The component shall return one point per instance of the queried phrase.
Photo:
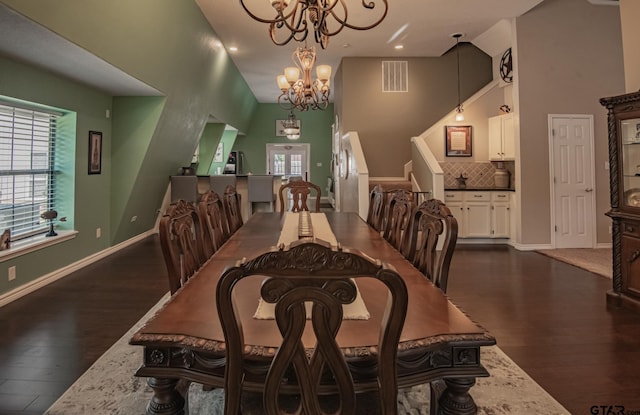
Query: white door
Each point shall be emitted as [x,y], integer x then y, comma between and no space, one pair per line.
[288,160]
[572,181]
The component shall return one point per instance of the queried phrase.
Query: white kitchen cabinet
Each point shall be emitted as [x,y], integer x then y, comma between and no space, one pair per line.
[502,141]
[500,215]
[480,214]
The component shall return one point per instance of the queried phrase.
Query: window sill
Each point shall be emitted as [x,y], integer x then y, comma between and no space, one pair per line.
[34,244]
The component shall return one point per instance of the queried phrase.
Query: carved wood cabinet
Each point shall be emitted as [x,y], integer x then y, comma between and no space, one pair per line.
[623,121]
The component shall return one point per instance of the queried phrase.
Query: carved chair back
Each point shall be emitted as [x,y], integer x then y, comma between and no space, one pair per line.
[398,212]
[181,241]
[232,212]
[431,222]
[300,191]
[311,271]
[375,214]
[213,222]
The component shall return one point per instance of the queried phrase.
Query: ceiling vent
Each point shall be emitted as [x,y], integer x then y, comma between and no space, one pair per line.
[395,76]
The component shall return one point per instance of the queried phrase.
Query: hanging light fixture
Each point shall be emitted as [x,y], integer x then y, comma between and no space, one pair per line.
[459,109]
[325,17]
[291,127]
[303,93]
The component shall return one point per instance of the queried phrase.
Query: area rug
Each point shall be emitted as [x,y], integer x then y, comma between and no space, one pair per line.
[108,387]
[599,260]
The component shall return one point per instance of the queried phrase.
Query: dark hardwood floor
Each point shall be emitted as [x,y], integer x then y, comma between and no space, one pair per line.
[548,316]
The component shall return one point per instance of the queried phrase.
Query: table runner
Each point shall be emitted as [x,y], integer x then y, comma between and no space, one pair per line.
[321,230]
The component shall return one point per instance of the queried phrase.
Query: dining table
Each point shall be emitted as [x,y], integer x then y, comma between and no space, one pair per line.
[184,342]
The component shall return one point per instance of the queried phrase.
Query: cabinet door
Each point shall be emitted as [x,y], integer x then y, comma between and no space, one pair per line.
[495,138]
[631,265]
[458,213]
[502,144]
[478,219]
[500,219]
[508,137]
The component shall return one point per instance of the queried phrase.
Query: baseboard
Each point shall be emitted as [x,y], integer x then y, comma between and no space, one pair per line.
[531,247]
[47,279]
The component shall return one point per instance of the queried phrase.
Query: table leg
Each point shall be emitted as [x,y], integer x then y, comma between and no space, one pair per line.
[166,399]
[455,400]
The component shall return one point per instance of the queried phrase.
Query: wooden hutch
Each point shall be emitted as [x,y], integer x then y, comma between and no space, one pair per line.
[624,161]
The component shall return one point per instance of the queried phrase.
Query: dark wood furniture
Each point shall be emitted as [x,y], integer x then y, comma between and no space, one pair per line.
[310,272]
[624,168]
[213,222]
[232,210]
[431,222]
[300,191]
[377,202]
[182,243]
[185,339]
[400,205]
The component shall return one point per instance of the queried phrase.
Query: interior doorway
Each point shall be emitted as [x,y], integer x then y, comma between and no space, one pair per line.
[288,160]
[572,164]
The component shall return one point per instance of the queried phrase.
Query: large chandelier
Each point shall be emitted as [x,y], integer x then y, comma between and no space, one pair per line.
[325,17]
[303,93]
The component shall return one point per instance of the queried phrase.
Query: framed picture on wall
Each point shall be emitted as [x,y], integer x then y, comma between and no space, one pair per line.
[457,140]
[95,152]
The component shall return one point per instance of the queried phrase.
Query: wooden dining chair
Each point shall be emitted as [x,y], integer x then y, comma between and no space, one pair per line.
[398,210]
[375,214]
[300,191]
[232,210]
[213,222]
[310,271]
[181,242]
[430,223]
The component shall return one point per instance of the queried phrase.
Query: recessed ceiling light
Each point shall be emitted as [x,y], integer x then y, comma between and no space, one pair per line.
[398,47]
[233,49]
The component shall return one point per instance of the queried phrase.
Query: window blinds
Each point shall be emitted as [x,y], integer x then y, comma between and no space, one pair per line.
[27,169]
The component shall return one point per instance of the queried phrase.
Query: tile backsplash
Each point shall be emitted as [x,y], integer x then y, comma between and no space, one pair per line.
[479,174]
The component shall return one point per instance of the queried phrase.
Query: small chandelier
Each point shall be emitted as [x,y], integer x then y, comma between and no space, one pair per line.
[304,93]
[291,128]
[459,109]
[324,17]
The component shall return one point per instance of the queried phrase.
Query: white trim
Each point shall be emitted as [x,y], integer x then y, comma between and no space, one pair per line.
[35,243]
[47,279]
[531,247]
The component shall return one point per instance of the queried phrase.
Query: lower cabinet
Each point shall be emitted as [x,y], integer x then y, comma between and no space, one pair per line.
[630,263]
[480,214]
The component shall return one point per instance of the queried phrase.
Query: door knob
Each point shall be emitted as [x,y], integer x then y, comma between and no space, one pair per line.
[588,189]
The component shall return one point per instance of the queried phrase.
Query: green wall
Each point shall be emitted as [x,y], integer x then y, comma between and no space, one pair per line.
[146,139]
[315,128]
[86,196]
[208,145]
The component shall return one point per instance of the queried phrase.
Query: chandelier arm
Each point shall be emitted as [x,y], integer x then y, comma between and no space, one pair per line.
[280,16]
[367,5]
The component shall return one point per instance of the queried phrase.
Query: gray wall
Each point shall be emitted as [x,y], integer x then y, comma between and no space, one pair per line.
[569,54]
[386,122]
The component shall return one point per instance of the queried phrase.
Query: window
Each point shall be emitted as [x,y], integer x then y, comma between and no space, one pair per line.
[27,169]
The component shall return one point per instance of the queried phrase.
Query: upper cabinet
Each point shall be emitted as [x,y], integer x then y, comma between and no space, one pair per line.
[502,144]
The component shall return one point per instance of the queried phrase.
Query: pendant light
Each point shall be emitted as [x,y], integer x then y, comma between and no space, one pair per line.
[459,110]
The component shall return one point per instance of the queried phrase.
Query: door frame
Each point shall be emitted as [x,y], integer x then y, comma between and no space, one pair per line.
[592,223]
[307,150]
